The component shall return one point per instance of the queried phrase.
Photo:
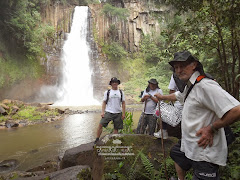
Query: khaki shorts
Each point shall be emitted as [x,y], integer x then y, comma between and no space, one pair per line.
[115,117]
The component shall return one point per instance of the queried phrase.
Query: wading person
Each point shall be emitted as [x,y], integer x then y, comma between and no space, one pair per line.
[207,109]
[113,108]
[147,117]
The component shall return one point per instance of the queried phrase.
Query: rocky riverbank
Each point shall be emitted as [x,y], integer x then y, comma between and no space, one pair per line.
[14,113]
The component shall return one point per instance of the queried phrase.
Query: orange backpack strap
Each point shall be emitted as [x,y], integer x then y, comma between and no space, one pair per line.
[199,78]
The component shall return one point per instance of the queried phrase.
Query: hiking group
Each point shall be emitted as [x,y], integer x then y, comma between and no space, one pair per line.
[205,109]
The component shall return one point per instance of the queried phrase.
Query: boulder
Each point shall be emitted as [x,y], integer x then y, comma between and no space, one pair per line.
[6,101]
[73,173]
[11,123]
[15,109]
[3,111]
[5,106]
[80,155]
[8,165]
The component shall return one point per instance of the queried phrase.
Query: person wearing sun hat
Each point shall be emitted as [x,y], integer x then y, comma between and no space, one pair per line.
[148,117]
[113,108]
[207,109]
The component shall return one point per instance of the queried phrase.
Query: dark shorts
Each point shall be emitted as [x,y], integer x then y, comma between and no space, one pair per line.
[202,170]
[115,117]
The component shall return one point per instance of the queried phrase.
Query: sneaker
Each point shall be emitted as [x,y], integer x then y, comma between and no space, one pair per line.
[159,134]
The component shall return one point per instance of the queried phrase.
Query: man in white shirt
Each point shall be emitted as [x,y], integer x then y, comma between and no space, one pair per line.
[113,108]
[148,117]
[207,109]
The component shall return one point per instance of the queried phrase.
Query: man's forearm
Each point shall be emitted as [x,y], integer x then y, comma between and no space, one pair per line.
[230,117]
[170,97]
[123,107]
[103,106]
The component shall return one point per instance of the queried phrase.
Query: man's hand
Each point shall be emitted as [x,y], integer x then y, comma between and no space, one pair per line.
[206,139]
[146,97]
[159,96]
[102,115]
[123,116]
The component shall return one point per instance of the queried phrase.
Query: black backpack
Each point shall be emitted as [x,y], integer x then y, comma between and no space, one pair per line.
[108,92]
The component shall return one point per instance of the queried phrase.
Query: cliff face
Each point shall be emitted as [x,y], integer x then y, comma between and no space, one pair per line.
[60,17]
[141,21]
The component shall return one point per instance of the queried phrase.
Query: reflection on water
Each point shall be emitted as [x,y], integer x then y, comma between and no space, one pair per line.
[34,145]
[81,130]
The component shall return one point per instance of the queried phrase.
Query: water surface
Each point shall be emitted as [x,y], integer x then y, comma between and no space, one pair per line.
[34,145]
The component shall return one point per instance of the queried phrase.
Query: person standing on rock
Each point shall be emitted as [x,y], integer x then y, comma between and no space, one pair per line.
[207,109]
[148,117]
[113,108]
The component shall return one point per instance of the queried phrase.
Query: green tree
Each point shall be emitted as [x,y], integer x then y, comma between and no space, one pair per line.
[211,32]
[111,11]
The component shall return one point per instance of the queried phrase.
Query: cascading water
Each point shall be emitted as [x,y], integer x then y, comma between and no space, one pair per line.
[77,87]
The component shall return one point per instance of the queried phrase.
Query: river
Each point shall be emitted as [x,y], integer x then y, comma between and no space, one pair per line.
[34,145]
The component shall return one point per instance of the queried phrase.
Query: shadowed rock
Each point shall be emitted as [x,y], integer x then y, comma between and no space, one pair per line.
[8,165]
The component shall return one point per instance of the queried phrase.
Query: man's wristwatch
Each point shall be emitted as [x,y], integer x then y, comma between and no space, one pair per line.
[213,128]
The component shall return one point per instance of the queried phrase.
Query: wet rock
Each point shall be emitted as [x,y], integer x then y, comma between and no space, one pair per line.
[47,167]
[8,165]
[57,126]
[23,123]
[43,108]
[67,111]
[3,111]
[6,101]
[73,173]
[35,104]
[11,124]
[14,110]
[60,111]
[5,106]
[80,155]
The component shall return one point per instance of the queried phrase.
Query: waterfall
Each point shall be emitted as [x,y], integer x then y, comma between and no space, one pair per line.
[76,88]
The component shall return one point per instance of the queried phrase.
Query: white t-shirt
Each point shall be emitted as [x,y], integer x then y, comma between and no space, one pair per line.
[114,102]
[206,103]
[172,86]
[150,104]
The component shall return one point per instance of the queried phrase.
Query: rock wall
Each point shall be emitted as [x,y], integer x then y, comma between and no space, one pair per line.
[141,21]
[60,17]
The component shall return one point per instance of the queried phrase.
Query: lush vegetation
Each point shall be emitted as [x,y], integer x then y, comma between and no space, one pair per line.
[111,11]
[208,29]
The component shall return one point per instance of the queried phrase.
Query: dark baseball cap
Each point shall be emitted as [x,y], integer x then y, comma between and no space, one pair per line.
[153,81]
[114,79]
